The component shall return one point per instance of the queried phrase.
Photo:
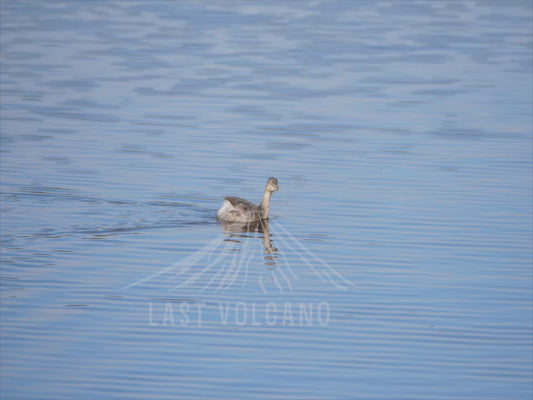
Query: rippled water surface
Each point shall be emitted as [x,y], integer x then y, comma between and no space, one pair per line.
[396,264]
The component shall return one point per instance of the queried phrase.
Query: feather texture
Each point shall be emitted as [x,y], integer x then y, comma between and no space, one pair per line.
[236,209]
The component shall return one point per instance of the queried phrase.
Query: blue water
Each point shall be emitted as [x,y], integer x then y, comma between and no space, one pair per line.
[398,259]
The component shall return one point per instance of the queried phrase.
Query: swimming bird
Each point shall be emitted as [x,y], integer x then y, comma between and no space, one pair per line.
[235,209]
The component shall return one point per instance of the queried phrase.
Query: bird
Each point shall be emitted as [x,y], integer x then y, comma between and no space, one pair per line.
[235,209]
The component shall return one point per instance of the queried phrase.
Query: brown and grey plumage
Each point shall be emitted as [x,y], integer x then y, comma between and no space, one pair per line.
[235,209]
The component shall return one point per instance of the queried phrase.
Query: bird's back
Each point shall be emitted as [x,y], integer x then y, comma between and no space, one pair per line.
[238,210]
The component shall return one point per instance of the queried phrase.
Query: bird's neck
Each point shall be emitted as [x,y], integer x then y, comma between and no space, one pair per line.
[265,204]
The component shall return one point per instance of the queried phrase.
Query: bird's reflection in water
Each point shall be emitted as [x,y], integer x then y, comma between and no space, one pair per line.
[230,261]
[241,232]
[261,226]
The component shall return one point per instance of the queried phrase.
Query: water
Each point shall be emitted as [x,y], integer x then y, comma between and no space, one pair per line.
[400,133]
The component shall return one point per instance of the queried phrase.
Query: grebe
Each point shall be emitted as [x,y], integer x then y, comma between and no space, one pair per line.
[236,209]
